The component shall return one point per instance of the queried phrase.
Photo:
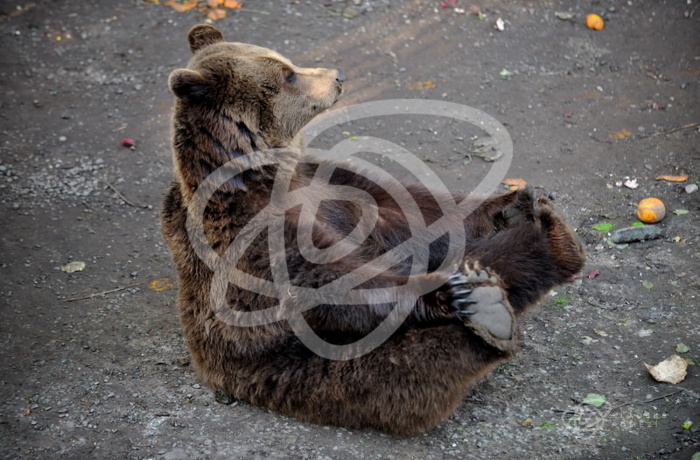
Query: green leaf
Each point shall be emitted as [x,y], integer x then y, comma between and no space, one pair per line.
[682,348]
[505,73]
[547,425]
[696,456]
[687,424]
[647,284]
[680,212]
[603,227]
[594,399]
[638,224]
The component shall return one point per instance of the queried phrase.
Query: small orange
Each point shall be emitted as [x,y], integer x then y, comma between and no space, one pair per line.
[651,210]
[595,22]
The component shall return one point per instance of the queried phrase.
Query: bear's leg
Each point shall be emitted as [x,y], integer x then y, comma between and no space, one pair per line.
[408,384]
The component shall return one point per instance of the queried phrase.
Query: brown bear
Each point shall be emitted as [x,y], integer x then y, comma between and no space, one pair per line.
[233,102]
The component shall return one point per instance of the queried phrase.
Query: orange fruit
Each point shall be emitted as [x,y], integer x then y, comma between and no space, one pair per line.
[595,22]
[651,210]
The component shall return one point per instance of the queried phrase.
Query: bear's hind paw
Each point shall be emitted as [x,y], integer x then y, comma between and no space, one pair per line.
[488,304]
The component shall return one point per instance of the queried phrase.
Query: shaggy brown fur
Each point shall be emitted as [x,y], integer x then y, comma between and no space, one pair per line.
[236,99]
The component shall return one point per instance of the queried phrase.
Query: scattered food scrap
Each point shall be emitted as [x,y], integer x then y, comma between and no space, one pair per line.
[668,178]
[500,24]
[631,183]
[595,22]
[651,210]
[128,143]
[671,370]
[75,266]
[564,15]
[514,183]
[634,234]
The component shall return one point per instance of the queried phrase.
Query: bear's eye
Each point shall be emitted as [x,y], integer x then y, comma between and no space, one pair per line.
[290,77]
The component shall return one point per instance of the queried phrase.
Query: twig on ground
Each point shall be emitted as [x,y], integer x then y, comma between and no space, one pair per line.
[124,199]
[689,125]
[97,294]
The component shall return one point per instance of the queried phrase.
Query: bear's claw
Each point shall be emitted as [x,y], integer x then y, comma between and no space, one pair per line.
[481,291]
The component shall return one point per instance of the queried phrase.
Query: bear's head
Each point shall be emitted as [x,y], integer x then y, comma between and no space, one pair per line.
[256,90]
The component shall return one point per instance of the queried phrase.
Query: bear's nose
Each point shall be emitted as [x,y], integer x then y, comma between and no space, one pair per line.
[339,76]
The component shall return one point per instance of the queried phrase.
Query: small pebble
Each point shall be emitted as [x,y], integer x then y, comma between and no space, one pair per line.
[690,188]
[63,138]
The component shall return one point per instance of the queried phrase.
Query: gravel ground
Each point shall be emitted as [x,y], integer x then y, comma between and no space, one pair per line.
[93,363]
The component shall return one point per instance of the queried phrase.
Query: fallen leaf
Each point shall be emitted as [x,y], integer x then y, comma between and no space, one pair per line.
[527,422]
[181,7]
[214,3]
[75,266]
[593,274]
[216,14]
[232,4]
[593,399]
[601,333]
[682,178]
[677,239]
[159,285]
[422,85]
[586,340]
[27,412]
[505,73]
[682,348]
[515,183]
[618,135]
[671,370]
[603,227]
[485,148]
[681,212]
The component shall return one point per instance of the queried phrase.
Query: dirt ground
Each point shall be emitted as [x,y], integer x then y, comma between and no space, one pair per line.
[93,364]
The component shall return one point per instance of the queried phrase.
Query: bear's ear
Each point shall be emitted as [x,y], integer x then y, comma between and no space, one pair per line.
[188,84]
[203,35]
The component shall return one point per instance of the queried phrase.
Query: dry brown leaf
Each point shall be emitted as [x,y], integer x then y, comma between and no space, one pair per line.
[515,183]
[233,4]
[618,135]
[668,178]
[422,85]
[216,14]
[670,370]
[181,7]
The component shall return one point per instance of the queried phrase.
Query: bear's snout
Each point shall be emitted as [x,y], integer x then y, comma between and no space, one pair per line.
[339,76]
